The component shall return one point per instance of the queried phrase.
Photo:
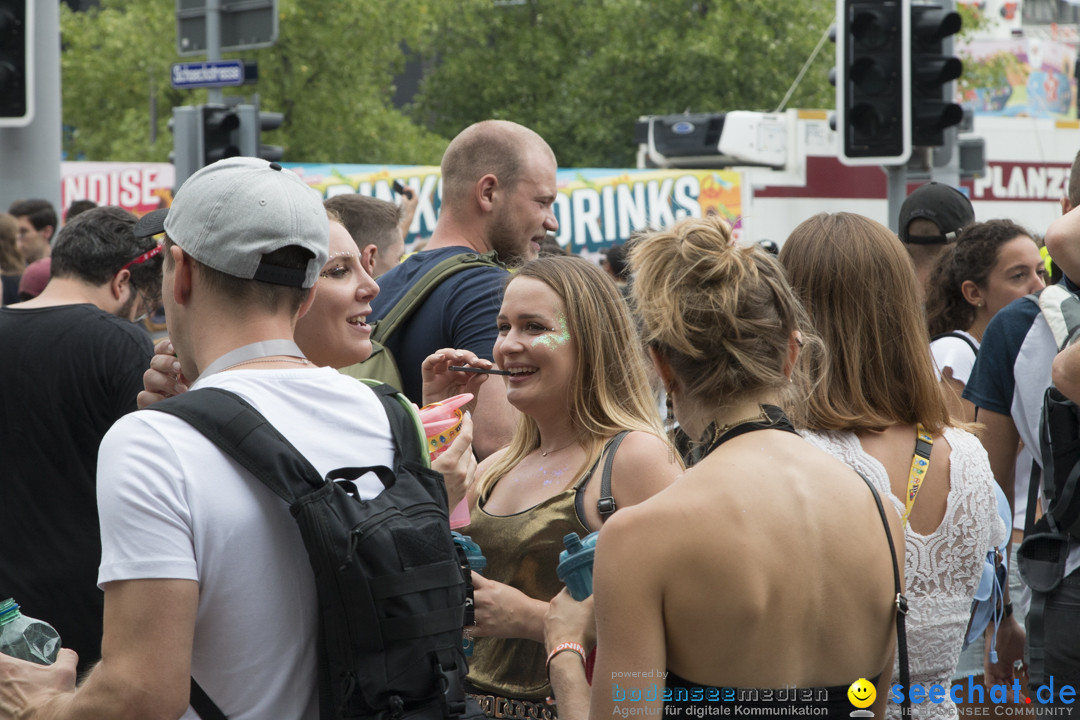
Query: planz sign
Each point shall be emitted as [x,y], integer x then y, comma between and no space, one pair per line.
[1022,181]
[595,208]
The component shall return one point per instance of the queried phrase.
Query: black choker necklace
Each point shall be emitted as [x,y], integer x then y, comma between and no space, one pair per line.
[770,417]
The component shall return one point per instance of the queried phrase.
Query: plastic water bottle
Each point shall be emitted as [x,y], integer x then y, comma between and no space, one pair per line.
[26,638]
[477,563]
[576,563]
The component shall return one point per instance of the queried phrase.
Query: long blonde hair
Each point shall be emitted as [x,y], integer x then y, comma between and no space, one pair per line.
[610,390]
[859,286]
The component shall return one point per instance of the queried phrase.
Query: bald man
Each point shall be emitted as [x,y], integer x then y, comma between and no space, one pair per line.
[498,196]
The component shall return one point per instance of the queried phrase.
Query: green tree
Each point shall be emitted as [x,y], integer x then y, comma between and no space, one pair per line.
[330,73]
[114,59]
[581,73]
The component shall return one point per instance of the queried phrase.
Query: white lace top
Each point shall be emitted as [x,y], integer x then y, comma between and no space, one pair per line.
[941,570]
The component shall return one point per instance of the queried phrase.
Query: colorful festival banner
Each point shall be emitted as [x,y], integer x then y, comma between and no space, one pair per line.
[1022,76]
[595,208]
[137,187]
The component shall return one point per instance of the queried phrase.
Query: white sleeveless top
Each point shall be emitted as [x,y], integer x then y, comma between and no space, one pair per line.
[942,569]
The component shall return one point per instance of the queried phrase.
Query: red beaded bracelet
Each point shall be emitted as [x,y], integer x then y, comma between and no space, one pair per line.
[573,647]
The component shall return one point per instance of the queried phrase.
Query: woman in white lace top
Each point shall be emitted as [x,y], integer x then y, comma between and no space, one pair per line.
[857,282]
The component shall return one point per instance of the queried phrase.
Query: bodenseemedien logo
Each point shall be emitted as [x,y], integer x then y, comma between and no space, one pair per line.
[996,700]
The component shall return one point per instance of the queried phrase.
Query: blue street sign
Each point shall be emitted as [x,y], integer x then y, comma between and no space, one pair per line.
[218,73]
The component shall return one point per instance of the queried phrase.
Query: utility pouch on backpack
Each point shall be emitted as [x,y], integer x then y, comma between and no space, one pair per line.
[1041,556]
[390,589]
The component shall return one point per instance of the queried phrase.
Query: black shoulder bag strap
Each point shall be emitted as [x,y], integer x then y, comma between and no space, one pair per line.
[242,433]
[606,504]
[901,606]
[204,707]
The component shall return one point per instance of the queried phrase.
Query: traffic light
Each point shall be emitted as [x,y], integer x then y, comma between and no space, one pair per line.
[16,62]
[253,123]
[932,73]
[186,157]
[873,107]
[220,136]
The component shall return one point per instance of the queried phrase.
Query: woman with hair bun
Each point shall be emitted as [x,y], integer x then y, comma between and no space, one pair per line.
[879,409]
[991,264]
[767,565]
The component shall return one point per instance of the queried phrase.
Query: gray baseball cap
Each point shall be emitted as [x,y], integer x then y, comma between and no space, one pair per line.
[230,214]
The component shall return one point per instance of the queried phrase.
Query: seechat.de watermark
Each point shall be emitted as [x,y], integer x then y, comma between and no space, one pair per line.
[974,699]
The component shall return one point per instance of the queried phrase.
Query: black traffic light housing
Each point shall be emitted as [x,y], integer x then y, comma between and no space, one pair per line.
[873,105]
[16,62]
[932,72]
[220,137]
[253,123]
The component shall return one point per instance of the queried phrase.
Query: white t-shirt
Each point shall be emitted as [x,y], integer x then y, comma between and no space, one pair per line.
[955,354]
[174,506]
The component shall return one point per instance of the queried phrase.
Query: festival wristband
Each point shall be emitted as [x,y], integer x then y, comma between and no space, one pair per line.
[573,647]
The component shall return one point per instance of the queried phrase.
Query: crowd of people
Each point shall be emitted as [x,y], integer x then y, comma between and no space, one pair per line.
[792,461]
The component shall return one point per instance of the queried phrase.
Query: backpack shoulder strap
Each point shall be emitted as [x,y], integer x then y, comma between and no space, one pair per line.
[1061,310]
[241,432]
[405,422]
[959,336]
[422,288]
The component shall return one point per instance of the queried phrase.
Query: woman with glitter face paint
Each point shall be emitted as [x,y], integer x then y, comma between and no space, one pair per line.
[577,375]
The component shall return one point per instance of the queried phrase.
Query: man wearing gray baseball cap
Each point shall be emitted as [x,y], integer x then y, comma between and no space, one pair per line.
[204,571]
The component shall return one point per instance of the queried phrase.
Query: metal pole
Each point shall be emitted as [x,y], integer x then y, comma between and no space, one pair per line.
[153,106]
[213,44]
[897,192]
[30,156]
[947,158]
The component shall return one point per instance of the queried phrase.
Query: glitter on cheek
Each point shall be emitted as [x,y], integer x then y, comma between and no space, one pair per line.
[552,342]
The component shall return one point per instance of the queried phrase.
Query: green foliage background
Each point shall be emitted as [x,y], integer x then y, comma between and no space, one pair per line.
[579,72]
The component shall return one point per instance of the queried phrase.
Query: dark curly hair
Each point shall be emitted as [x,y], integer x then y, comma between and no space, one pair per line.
[972,257]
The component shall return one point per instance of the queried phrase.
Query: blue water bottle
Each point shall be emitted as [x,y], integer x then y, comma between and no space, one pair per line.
[477,562]
[575,564]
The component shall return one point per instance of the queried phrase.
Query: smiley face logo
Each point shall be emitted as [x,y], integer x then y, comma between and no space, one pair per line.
[862,693]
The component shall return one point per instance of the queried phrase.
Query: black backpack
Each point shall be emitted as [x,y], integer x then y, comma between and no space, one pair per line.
[1059,431]
[390,587]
